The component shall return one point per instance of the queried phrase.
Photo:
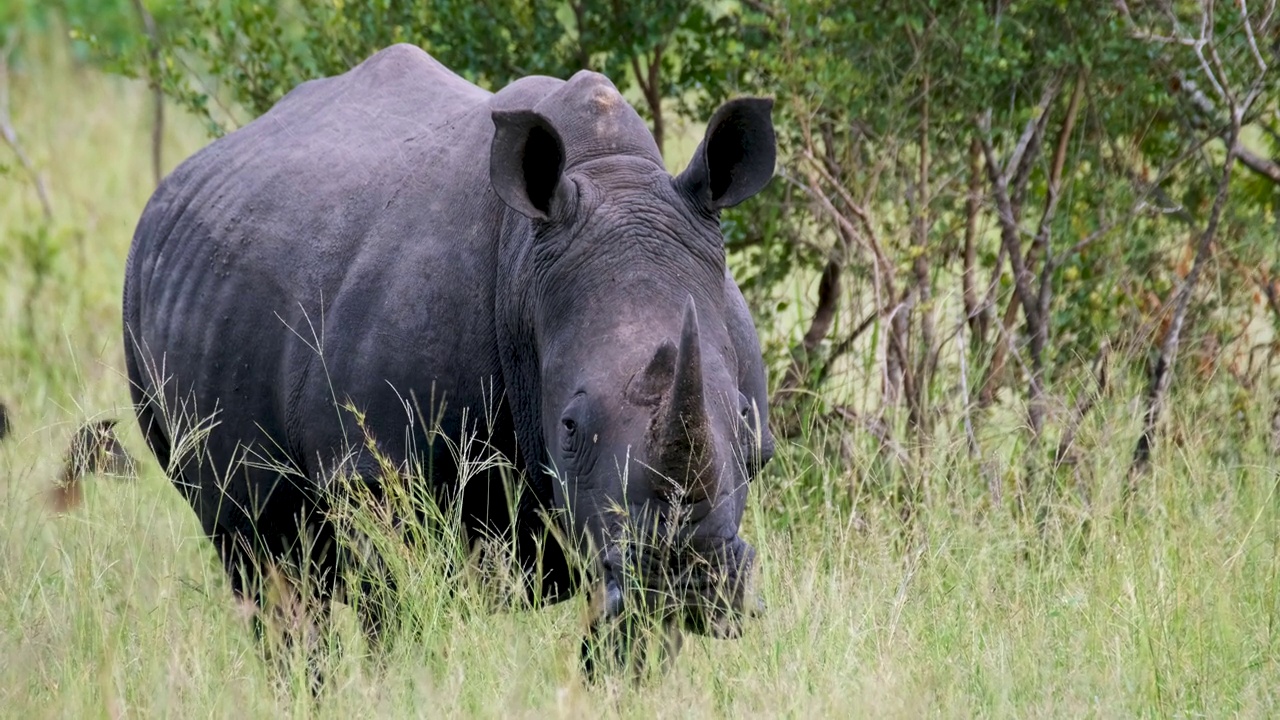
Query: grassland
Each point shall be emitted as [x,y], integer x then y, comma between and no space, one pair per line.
[119,608]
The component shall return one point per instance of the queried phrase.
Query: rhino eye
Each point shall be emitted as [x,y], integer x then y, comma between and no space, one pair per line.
[568,431]
[575,413]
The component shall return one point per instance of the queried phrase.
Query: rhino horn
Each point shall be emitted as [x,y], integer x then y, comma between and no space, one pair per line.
[685,429]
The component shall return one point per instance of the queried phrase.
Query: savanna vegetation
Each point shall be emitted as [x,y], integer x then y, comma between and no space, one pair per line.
[1018,281]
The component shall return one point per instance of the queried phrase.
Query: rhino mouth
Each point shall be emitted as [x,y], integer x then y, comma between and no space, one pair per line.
[705,591]
[644,601]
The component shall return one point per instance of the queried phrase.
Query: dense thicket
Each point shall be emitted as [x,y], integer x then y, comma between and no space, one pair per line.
[980,204]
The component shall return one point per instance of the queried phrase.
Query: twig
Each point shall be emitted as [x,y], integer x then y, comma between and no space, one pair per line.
[1084,403]
[858,331]
[11,135]
[1248,31]
[859,212]
[824,315]
[877,429]
[974,450]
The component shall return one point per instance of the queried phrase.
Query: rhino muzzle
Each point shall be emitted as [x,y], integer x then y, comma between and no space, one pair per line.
[707,592]
[638,616]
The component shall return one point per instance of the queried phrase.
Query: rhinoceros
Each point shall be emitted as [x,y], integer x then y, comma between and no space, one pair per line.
[300,291]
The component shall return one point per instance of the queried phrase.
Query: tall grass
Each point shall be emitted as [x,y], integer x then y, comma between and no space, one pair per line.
[121,608]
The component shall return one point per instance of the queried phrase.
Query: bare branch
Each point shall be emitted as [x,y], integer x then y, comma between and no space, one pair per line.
[1197,44]
[972,206]
[1216,74]
[10,134]
[843,347]
[1084,403]
[1018,170]
[1248,31]
[859,212]
[1041,244]
[1260,165]
[1009,234]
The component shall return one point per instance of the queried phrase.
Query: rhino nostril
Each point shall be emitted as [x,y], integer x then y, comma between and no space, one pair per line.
[606,605]
[612,601]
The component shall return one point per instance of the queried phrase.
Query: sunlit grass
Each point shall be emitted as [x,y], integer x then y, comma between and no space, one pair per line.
[121,607]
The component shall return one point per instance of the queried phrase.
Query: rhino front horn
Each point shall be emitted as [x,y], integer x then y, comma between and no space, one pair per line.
[685,438]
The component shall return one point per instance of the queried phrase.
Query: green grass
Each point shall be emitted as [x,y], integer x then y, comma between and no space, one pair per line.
[121,608]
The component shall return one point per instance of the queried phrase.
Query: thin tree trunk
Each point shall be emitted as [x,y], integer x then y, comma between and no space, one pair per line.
[1038,322]
[967,408]
[916,402]
[1008,187]
[157,94]
[579,17]
[994,376]
[1023,295]
[650,83]
[972,205]
[1161,376]
[824,315]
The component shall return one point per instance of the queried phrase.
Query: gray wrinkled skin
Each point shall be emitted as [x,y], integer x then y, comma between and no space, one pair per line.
[402,241]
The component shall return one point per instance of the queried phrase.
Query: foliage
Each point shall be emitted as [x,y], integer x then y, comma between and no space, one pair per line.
[898,125]
[250,53]
[114,22]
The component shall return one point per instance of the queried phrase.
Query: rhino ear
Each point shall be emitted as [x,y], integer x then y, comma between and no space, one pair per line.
[736,157]
[526,163]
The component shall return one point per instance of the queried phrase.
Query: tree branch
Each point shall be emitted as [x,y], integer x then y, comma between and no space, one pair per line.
[10,134]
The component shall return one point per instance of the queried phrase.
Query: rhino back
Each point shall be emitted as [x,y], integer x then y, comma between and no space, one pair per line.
[340,247]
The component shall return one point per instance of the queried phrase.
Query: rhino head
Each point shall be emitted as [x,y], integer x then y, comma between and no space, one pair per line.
[632,365]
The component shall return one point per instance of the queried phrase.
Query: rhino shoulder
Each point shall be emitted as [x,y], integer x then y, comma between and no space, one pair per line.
[400,77]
